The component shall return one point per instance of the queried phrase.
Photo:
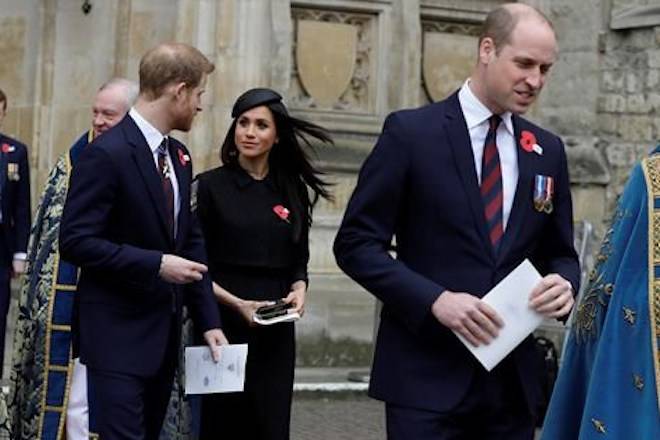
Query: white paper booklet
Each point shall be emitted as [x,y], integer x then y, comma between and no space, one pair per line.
[288,317]
[204,376]
[509,298]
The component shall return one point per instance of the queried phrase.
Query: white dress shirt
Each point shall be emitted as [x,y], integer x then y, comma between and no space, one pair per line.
[154,139]
[476,116]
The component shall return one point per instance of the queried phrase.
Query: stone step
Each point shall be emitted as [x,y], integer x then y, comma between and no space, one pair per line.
[331,380]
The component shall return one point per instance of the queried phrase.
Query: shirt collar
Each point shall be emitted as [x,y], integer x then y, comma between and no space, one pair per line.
[475,112]
[243,179]
[150,133]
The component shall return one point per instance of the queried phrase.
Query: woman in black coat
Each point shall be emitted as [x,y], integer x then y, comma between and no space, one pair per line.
[255,212]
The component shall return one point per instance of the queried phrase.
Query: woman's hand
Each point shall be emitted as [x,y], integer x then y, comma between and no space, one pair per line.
[243,307]
[247,308]
[297,297]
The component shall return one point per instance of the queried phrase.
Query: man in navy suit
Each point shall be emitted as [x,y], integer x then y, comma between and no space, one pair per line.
[127,224]
[469,189]
[14,217]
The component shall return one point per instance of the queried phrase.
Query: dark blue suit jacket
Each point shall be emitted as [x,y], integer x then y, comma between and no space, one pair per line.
[114,228]
[420,185]
[15,197]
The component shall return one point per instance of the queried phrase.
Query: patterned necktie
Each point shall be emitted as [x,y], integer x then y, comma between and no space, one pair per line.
[491,184]
[164,171]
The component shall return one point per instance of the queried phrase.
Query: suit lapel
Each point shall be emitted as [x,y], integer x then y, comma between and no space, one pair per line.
[3,163]
[523,189]
[3,168]
[184,188]
[147,169]
[459,140]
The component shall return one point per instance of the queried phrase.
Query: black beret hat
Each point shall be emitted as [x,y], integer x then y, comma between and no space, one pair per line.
[257,97]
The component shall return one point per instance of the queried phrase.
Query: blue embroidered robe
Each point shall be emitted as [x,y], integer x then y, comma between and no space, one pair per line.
[609,381]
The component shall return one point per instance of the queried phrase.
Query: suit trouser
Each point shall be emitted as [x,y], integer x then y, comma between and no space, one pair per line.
[493,408]
[130,407]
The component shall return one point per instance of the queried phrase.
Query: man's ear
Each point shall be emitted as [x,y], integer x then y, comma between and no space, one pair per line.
[179,90]
[487,50]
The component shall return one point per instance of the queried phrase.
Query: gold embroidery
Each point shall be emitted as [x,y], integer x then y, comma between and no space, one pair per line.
[629,315]
[599,426]
[50,327]
[59,368]
[598,291]
[651,167]
[638,381]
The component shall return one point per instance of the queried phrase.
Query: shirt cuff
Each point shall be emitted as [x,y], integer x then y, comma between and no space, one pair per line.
[22,256]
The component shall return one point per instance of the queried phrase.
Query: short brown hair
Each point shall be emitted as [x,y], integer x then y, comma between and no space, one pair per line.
[172,63]
[3,99]
[501,22]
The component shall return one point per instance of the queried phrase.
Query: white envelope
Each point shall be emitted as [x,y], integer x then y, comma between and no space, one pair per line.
[510,299]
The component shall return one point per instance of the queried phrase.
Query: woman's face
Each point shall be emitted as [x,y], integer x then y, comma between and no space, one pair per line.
[255,133]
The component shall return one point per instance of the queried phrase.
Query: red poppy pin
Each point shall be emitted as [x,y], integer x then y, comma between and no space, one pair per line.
[6,148]
[528,142]
[282,212]
[183,158]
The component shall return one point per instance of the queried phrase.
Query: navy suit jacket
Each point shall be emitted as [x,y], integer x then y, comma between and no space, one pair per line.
[15,197]
[420,185]
[114,228]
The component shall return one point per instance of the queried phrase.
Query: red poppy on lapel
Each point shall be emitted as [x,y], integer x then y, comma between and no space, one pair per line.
[529,144]
[527,140]
[183,158]
[282,212]
[6,148]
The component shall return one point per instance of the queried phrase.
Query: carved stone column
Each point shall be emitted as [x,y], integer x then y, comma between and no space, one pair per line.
[196,25]
[404,74]
[68,74]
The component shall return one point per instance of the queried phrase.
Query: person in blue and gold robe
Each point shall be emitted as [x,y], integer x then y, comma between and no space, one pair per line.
[609,382]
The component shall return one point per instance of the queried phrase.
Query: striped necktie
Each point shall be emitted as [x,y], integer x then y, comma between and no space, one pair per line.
[491,185]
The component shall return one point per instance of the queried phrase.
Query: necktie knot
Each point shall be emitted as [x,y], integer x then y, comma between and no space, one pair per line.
[162,148]
[494,122]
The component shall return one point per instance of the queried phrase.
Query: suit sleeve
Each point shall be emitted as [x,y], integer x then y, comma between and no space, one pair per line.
[301,261]
[22,207]
[302,257]
[87,211]
[364,239]
[200,298]
[556,251]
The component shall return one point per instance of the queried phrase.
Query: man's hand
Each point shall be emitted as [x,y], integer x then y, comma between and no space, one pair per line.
[178,270]
[552,297]
[18,267]
[466,314]
[214,339]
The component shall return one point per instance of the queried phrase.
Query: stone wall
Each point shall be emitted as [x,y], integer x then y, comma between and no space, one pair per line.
[629,101]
